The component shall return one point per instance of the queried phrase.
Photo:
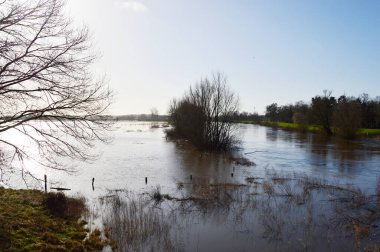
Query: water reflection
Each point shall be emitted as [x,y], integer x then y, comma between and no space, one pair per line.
[210,202]
[314,153]
[208,166]
[140,150]
[279,213]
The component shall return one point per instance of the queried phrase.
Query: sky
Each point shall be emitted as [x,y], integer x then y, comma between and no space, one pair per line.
[279,51]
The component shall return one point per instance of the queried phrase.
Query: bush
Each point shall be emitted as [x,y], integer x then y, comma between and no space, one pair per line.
[56,204]
[204,115]
[59,205]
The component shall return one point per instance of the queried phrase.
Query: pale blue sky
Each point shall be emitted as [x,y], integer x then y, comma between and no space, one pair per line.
[272,51]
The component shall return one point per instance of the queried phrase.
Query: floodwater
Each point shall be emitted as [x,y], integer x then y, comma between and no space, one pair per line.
[139,151]
[304,192]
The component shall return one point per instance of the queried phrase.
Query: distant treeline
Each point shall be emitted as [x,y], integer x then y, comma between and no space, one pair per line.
[343,115]
[141,117]
[135,117]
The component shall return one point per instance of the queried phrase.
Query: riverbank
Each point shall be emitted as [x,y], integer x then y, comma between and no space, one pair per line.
[311,128]
[30,222]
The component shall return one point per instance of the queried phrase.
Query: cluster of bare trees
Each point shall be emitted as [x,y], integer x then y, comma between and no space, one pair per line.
[204,115]
[47,91]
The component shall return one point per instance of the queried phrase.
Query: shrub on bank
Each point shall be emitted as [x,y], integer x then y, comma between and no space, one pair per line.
[61,206]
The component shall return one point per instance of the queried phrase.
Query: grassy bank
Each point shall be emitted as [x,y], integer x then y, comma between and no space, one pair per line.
[310,128]
[369,132]
[34,221]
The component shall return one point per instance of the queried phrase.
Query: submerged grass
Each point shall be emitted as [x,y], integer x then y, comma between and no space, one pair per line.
[28,223]
[293,212]
[134,226]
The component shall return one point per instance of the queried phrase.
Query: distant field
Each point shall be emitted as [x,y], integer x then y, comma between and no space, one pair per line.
[369,132]
[313,128]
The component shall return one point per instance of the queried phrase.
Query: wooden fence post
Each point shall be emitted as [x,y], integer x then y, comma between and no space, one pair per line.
[45,178]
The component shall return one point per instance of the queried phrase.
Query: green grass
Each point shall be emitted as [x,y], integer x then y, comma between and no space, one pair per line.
[27,226]
[369,132]
[287,125]
[312,128]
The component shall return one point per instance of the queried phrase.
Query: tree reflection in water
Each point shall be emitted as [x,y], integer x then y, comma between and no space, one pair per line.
[287,212]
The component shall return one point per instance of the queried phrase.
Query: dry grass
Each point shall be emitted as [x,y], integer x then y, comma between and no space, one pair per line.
[268,188]
[372,248]
[252,180]
[242,161]
[360,230]
[286,190]
[157,196]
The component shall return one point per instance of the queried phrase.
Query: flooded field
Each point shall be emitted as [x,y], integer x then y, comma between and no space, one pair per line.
[292,213]
[280,191]
[139,150]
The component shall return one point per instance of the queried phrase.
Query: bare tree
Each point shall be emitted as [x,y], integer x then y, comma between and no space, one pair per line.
[205,114]
[47,92]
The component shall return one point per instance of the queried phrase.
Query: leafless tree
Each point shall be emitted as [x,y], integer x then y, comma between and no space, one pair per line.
[205,114]
[47,91]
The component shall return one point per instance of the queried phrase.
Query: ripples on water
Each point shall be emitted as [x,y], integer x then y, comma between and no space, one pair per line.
[140,151]
[247,217]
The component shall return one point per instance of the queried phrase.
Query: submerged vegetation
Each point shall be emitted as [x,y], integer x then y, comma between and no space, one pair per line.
[34,221]
[293,212]
[130,224]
